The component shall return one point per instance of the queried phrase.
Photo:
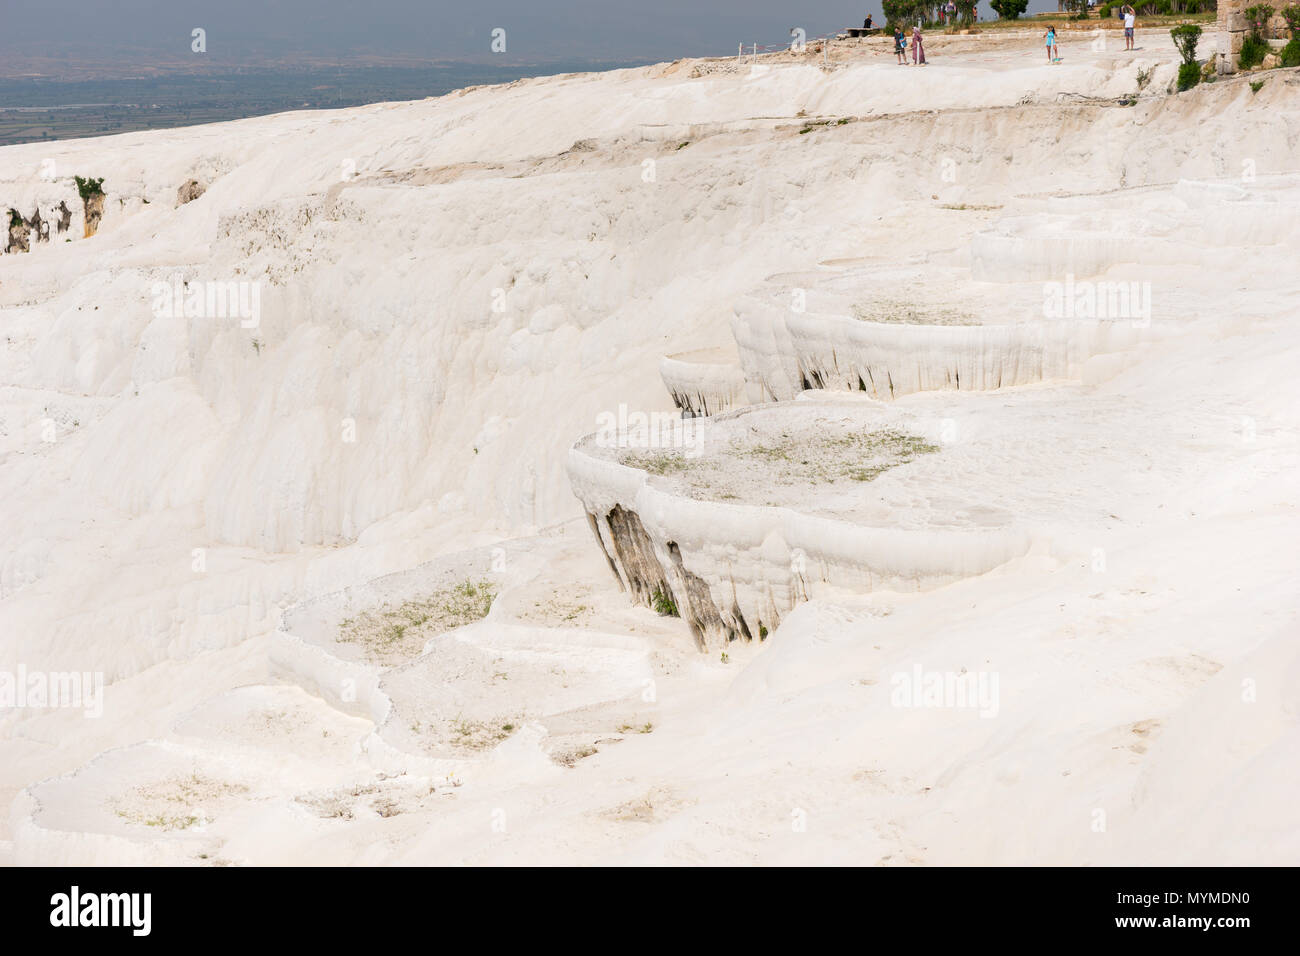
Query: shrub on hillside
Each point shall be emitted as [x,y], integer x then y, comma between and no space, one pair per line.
[1252,53]
[1186,37]
[89,187]
[1257,18]
[1291,15]
[1291,52]
[1253,47]
[1189,74]
[664,604]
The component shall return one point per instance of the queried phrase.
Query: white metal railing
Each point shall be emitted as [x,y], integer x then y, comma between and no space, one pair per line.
[798,43]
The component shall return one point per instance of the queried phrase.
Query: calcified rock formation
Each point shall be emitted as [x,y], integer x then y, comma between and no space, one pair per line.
[839,331]
[1099,240]
[24,230]
[189,191]
[785,352]
[703,382]
[735,566]
[19,231]
[50,215]
[94,209]
[40,226]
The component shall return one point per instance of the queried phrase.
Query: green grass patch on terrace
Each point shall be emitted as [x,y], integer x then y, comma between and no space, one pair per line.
[909,313]
[810,125]
[748,469]
[389,634]
[657,462]
[858,456]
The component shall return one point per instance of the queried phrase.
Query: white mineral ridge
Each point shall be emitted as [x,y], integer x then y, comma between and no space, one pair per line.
[454,290]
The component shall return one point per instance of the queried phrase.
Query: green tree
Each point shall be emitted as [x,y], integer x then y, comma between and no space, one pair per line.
[1009,9]
[1186,37]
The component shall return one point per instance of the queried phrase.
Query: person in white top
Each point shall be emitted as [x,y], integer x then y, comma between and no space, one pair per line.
[1130,20]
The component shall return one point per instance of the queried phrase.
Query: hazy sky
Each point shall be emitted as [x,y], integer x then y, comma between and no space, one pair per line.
[547,29]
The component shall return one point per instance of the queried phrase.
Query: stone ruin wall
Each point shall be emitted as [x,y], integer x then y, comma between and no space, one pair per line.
[1232,29]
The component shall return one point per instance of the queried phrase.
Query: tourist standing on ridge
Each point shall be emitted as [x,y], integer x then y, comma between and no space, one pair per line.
[1130,22]
[900,46]
[1051,44]
[918,48]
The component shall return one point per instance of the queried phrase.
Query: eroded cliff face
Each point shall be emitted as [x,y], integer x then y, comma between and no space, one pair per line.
[23,231]
[19,231]
[189,191]
[666,585]
[40,226]
[53,201]
[47,220]
[638,567]
[94,206]
[656,577]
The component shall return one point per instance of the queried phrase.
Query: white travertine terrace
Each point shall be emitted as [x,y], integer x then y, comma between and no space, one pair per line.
[1089,237]
[728,568]
[703,382]
[786,352]
[306,648]
[199,493]
[735,570]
